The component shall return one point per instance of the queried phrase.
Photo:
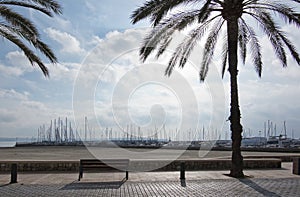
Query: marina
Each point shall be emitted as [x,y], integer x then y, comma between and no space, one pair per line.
[61,133]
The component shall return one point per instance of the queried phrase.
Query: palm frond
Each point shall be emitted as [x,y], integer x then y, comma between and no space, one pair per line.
[145,11]
[272,30]
[17,28]
[156,10]
[286,12]
[163,32]
[18,21]
[188,46]
[183,51]
[224,54]
[210,48]
[255,48]
[33,59]
[27,5]
[291,47]
[165,24]
[243,41]
[249,2]
[49,4]
[204,12]
[153,39]
[44,6]
[44,48]
[33,39]
[163,46]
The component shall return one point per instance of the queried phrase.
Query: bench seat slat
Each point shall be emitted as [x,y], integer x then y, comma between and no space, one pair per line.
[106,165]
[121,168]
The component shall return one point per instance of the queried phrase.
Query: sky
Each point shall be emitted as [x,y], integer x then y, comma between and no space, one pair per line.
[100,76]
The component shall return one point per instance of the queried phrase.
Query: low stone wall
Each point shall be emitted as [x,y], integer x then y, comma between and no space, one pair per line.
[143,165]
[39,166]
[283,158]
[196,165]
[261,149]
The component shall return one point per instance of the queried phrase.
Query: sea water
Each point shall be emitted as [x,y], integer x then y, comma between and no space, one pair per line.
[11,142]
[7,143]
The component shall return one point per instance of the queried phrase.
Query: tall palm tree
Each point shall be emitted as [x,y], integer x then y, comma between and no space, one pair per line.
[23,33]
[208,17]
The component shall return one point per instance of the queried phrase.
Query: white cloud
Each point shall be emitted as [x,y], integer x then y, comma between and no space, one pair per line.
[64,71]
[21,115]
[10,71]
[13,94]
[19,59]
[69,43]
[18,64]
[274,97]
[113,71]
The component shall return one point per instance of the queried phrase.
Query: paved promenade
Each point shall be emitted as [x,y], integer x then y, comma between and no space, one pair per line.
[201,183]
[53,153]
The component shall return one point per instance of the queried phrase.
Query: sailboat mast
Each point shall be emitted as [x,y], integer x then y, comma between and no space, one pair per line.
[284,127]
[85,128]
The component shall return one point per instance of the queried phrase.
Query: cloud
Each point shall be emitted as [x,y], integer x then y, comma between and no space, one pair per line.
[7,116]
[68,42]
[121,89]
[17,64]
[13,94]
[115,61]
[21,115]
[18,59]
[10,71]
[66,71]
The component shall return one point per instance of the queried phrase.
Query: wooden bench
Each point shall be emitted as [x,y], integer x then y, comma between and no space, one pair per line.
[105,165]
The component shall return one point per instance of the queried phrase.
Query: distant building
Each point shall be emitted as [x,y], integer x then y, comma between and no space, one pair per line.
[254,142]
[223,143]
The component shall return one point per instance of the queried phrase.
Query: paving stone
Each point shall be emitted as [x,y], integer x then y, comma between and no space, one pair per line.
[232,187]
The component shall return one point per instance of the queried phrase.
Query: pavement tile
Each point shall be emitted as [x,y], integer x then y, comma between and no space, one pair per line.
[277,182]
[232,187]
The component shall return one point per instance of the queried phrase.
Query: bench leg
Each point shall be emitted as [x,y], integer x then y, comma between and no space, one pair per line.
[126,175]
[14,173]
[80,173]
[296,165]
[182,171]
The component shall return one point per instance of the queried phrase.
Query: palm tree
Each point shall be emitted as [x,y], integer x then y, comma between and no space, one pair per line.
[208,17]
[23,33]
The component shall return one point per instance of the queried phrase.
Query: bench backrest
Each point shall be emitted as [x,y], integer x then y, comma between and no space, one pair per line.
[104,164]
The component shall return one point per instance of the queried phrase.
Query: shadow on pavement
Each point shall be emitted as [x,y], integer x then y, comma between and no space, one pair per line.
[93,185]
[4,185]
[258,188]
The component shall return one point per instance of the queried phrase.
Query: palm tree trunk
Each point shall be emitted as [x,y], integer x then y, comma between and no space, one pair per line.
[235,114]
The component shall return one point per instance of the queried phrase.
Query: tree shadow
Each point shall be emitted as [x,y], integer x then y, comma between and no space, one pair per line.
[4,185]
[76,185]
[258,188]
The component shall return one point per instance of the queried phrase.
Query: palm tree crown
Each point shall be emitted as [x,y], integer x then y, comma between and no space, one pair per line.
[16,28]
[208,17]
